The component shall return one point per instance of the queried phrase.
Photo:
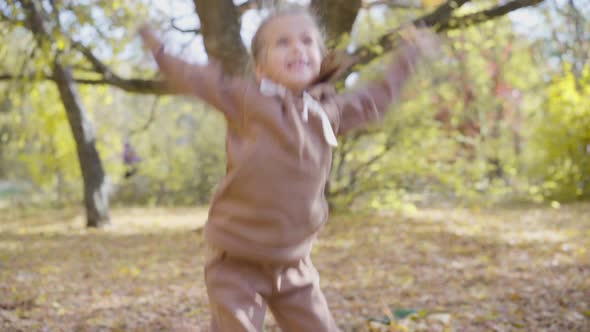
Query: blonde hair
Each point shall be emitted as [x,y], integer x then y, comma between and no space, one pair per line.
[257,44]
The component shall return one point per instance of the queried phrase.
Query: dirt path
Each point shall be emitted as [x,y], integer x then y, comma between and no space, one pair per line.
[525,269]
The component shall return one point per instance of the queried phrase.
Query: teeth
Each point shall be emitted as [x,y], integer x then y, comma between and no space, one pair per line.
[298,63]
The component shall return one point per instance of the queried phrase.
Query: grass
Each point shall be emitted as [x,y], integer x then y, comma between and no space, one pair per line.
[511,269]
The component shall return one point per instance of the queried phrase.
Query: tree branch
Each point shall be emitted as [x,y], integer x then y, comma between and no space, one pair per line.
[10,77]
[177,28]
[486,15]
[440,20]
[133,85]
[149,121]
[339,64]
[98,65]
[397,4]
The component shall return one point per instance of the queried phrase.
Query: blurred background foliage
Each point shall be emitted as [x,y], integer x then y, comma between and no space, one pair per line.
[503,115]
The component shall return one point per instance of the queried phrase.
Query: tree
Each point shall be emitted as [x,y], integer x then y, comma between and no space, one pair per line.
[95,187]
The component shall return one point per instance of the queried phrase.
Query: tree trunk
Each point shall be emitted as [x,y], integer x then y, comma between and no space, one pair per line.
[96,198]
[220,26]
[337,16]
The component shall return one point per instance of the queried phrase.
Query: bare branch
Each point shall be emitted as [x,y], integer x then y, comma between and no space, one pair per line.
[98,65]
[177,28]
[10,77]
[133,85]
[149,121]
[441,14]
[486,15]
[139,86]
[397,4]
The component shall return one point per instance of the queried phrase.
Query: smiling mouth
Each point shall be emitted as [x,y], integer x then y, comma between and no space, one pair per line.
[297,65]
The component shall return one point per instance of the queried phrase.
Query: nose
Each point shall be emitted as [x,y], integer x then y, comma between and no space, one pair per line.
[298,47]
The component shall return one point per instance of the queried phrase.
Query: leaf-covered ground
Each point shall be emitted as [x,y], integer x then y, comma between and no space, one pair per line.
[518,269]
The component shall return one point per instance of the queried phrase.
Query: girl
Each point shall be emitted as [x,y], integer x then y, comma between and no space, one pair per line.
[270,206]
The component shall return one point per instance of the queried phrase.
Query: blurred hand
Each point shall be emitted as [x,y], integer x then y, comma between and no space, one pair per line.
[419,44]
[150,40]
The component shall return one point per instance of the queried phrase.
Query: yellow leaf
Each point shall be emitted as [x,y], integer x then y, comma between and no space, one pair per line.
[61,44]
[431,3]
[41,299]
[515,297]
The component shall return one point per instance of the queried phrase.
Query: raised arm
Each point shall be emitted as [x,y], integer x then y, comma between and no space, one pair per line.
[370,102]
[207,82]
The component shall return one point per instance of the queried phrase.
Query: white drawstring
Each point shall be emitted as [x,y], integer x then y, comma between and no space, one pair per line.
[269,88]
[310,104]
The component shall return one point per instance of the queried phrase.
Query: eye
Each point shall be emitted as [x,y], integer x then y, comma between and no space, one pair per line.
[282,41]
[307,40]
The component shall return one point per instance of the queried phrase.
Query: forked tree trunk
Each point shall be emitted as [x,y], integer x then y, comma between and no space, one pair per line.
[220,26]
[96,200]
[337,16]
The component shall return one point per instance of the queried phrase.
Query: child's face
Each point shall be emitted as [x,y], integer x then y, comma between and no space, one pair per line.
[291,55]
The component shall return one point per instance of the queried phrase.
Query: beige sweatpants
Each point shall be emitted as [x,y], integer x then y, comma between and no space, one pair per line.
[239,292]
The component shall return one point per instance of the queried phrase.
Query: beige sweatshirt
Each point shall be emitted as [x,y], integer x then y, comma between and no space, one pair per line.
[270,205]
